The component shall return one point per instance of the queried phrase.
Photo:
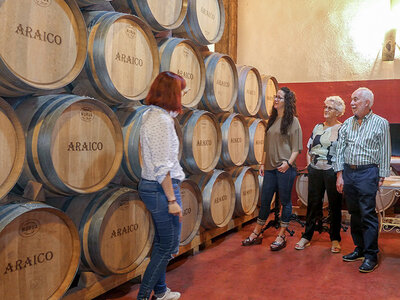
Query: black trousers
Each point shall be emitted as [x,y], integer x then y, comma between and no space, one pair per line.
[360,187]
[318,182]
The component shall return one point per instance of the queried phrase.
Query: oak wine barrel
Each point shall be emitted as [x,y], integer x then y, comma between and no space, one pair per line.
[205,21]
[235,140]
[201,141]
[257,129]
[221,83]
[183,58]
[131,120]
[249,94]
[159,14]
[42,45]
[302,190]
[39,253]
[192,210]
[74,144]
[269,89]
[12,148]
[246,189]
[122,58]
[115,229]
[218,191]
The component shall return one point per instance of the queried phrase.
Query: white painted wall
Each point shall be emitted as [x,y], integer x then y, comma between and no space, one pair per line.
[317,40]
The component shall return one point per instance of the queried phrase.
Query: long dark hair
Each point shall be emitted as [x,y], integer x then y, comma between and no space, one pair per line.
[288,113]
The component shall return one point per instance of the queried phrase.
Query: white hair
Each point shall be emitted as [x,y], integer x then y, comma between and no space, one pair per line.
[367,94]
[338,104]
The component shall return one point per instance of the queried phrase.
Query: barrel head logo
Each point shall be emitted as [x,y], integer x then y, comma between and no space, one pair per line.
[43,3]
[186,52]
[29,228]
[86,114]
[131,31]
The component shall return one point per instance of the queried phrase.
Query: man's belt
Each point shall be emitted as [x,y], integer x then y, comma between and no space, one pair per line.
[360,167]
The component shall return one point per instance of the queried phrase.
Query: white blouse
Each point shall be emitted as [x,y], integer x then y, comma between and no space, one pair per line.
[159,146]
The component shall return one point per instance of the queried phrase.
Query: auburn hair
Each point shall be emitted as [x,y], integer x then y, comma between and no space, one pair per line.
[165,91]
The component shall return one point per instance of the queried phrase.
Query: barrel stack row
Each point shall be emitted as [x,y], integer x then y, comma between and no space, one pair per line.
[72,77]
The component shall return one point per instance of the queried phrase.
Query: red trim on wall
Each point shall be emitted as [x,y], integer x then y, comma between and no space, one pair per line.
[311,96]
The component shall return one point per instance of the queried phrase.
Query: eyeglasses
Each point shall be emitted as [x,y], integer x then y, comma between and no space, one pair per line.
[279,97]
[185,91]
[329,108]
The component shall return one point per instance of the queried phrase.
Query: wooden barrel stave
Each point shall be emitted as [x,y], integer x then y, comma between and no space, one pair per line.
[192,210]
[12,148]
[158,16]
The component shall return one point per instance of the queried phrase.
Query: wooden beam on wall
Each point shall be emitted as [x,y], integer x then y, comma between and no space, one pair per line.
[228,42]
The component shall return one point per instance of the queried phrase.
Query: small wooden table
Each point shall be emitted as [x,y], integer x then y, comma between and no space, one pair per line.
[391,184]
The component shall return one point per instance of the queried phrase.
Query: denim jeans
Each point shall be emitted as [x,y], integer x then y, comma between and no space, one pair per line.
[318,182]
[166,237]
[275,181]
[360,187]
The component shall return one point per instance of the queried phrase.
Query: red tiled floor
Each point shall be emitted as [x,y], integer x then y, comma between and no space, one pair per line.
[226,270]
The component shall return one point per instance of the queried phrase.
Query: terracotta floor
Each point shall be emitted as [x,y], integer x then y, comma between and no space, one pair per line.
[226,270]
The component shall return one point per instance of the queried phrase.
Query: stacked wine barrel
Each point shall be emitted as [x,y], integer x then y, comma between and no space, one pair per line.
[72,78]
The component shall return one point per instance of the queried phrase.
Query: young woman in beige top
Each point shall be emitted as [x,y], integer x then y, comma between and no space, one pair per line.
[282,144]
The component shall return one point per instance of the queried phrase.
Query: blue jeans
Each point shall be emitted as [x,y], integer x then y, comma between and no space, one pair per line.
[166,237]
[275,181]
[360,187]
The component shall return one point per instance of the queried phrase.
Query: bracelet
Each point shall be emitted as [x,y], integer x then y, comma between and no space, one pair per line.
[171,201]
[288,163]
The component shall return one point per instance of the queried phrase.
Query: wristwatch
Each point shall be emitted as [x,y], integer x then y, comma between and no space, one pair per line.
[288,163]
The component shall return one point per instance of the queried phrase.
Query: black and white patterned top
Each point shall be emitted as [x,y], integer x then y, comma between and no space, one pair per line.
[159,146]
[322,146]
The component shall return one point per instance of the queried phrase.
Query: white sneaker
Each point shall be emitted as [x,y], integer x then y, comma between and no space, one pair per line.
[169,295]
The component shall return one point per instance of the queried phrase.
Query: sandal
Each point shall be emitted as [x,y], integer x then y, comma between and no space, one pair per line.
[279,243]
[302,244]
[335,248]
[256,241]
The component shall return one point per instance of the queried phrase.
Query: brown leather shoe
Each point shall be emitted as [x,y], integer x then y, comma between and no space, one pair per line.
[256,241]
[279,243]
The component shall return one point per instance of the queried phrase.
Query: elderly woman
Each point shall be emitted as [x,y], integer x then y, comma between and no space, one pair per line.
[161,175]
[282,144]
[321,176]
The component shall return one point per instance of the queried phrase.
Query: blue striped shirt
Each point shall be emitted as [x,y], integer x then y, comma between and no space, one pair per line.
[368,143]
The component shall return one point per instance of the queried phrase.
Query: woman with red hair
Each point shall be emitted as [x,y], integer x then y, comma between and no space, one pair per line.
[161,175]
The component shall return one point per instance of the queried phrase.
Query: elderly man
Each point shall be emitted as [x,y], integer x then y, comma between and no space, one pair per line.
[362,163]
